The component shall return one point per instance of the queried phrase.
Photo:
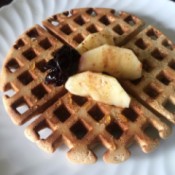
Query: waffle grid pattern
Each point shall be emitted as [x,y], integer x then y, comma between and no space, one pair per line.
[79,122]
[80,23]
[156,87]
[80,125]
[24,74]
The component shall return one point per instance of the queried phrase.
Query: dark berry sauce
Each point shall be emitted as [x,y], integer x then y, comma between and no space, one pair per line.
[62,65]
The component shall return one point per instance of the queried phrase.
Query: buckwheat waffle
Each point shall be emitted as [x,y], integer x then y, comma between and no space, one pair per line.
[23,75]
[72,27]
[156,87]
[79,122]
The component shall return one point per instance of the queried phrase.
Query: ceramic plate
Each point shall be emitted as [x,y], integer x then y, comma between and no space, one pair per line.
[18,156]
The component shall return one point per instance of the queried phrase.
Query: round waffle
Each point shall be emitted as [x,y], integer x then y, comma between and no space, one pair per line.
[79,122]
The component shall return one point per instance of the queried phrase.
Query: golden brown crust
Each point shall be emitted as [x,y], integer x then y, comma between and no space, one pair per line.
[80,123]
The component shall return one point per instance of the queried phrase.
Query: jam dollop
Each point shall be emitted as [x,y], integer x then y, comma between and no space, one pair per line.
[63,64]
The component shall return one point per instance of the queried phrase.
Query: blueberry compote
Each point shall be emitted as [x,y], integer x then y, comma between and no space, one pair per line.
[62,65]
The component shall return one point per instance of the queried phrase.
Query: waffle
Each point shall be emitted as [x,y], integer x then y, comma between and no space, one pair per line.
[79,122]
[23,75]
[156,87]
[73,27]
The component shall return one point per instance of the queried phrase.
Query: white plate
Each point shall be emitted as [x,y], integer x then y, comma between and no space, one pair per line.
[18,156]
